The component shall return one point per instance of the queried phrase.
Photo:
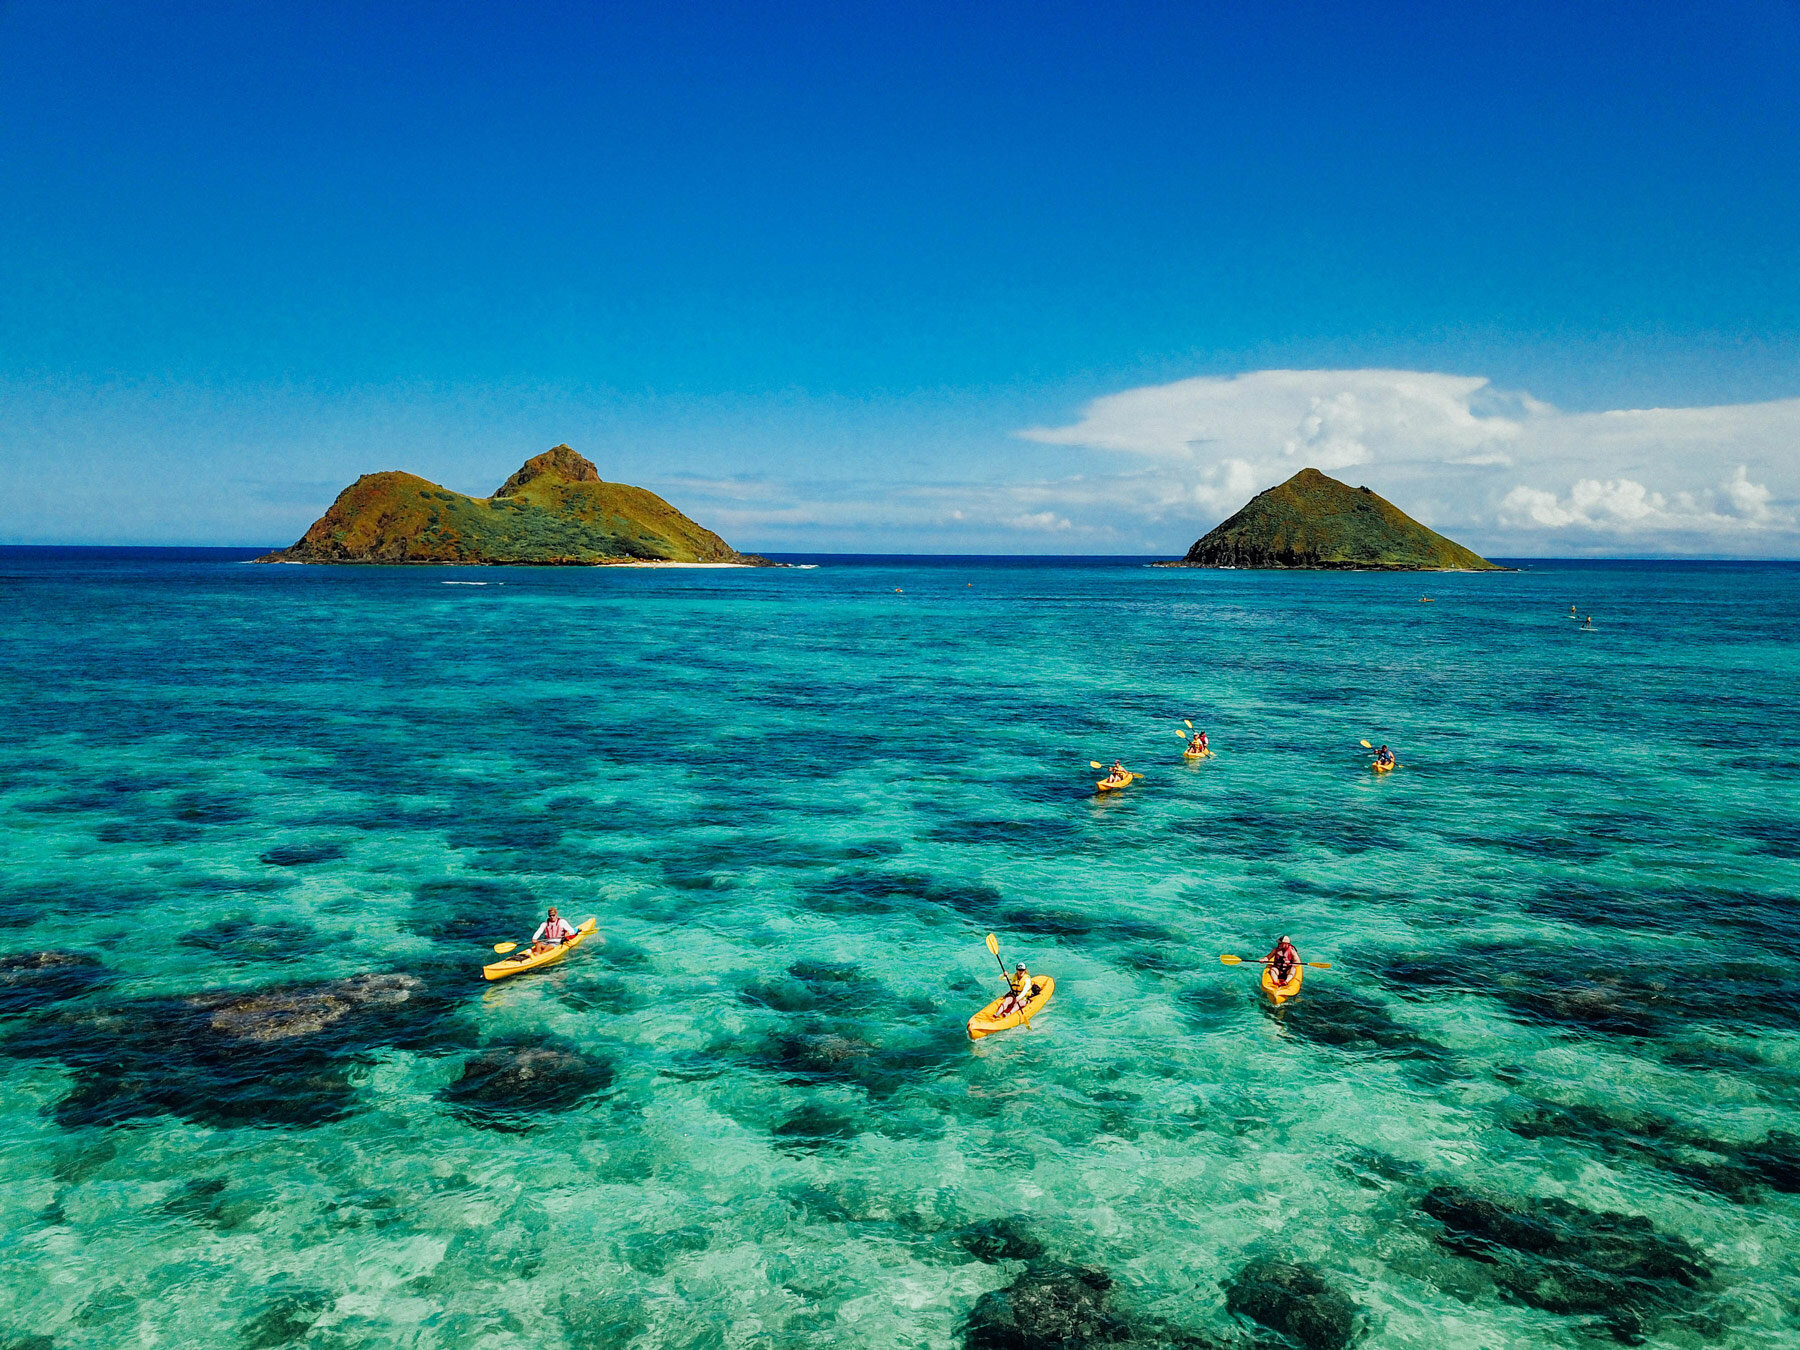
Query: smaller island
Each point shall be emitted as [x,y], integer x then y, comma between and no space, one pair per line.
[1314,521]
[556,511]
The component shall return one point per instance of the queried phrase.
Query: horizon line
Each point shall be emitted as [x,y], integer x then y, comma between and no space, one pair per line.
[817,553]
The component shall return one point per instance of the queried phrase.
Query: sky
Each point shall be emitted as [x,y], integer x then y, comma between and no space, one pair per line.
[993,278]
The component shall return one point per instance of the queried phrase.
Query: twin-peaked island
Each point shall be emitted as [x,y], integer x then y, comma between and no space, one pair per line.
[557,511]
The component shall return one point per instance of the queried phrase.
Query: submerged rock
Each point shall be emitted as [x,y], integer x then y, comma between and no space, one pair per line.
[304,854]
[284,1321]
[814,1127]
[1573,1261]
[993,1240]
[32,979]
[871,891]
[1347,1021]
[1064,1307]
[504,1085]
[1776,1160]
[282,940]
[822,1055]
[1740,1172]
[307,1010]
[275,1056]
[1569,990]
[1295,1300]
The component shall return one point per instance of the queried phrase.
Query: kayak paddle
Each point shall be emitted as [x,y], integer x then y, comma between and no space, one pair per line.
[1190,725]
[1238,961]
[504,947]
[1367,746]
[994,947]
[1130,773]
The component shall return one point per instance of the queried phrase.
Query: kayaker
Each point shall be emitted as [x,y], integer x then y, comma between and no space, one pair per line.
[1384,756]
[1197,743]
[1020,985]
[1117,773]
[552,932]
[1282,960]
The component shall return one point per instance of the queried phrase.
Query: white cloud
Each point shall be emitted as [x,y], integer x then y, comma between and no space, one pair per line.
[1502,470]
[1040,520]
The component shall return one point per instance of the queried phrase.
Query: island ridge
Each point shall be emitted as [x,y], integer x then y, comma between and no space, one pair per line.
[555,511]
[1314,521]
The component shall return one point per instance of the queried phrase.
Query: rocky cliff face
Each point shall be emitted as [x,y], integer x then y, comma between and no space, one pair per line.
[1313,521]
[556,510]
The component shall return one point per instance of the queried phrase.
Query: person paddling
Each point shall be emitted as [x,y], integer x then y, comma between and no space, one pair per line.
[1197,743]
[1019,985]
[552,932]
[1384,757]
[1117,773]
[1282,960]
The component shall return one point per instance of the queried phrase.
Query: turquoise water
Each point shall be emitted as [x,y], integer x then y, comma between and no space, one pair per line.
[271,819]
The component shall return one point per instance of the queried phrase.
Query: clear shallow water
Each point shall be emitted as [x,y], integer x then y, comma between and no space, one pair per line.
[1561,936]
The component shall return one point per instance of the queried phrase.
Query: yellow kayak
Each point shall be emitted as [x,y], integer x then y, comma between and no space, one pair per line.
[1383,768]
[1196,754]
[1106,786]
[984,1023]
[1280,993]
[528,960]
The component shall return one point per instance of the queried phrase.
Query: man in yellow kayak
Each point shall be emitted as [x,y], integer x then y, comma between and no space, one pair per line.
[552,932]
[1197,743]
[1020,984]
[1282,960]
[1117,773]
[1383,757]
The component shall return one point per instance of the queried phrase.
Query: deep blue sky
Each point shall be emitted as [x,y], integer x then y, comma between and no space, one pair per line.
[272,245]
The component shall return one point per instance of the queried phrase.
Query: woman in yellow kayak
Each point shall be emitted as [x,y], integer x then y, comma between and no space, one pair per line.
[1117,774]
[1197,743]
[1020,984]
[552,932]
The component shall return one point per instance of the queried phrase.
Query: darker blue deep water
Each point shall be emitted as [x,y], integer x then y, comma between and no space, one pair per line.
[261,826]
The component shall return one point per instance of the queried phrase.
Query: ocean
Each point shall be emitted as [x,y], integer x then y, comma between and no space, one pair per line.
[261,827]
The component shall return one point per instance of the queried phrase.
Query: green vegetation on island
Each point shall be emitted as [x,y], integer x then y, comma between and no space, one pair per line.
[1312,521]
[556,510]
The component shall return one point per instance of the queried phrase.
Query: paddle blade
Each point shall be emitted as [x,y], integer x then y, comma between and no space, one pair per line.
[504,947]
[1319,965]
[1095,764]
[1190,725]
[1367,746]
[1231,960]
[993,944]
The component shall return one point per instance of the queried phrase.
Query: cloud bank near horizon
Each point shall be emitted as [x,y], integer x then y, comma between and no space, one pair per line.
[1501,470]
[1142,471]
